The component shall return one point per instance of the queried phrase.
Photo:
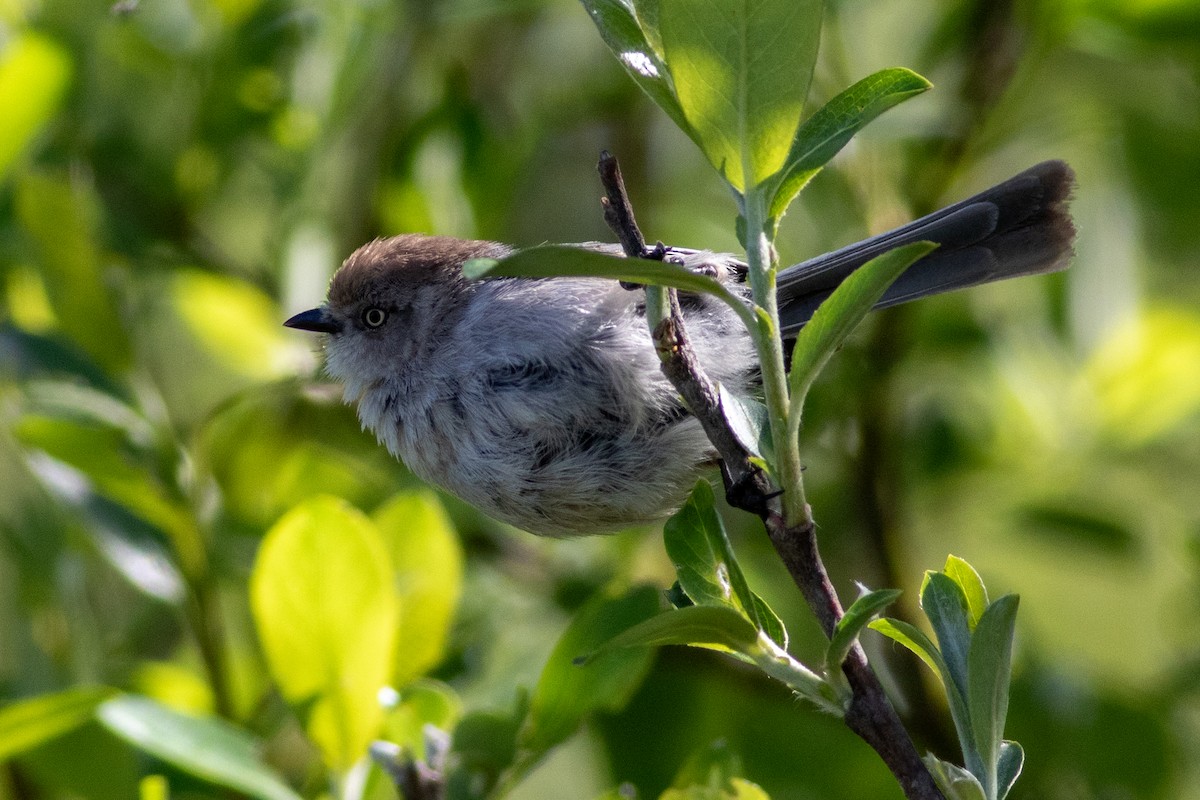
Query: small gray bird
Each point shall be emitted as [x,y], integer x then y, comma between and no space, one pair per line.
[541,402]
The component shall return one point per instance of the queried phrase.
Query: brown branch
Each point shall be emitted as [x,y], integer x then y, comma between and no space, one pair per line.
[746,484]
[618,211]
[870,713]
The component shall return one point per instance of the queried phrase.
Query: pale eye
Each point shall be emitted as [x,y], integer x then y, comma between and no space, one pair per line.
[373,317]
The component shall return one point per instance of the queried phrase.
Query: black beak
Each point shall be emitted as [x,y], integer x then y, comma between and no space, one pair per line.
[315,319]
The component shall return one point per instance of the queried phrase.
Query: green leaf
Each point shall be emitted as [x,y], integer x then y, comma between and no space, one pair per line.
[741,70]
[34,74]
[567,692]
[768,621]
[276,446]
[26,724]
[714,627]
[955,782]
[1008,768]
[827,131]
[26,356]
[485,742]
[944,603]
[632,41]
[568,261]
[914,639]
[972,587]
[848,628]
[692,538]
[72,401]
[838,316]
[989,671]
[428,561]
[706,566]
[61,220]
[324,601]
[736,789]
[742,789]
[206,747]
[749,421]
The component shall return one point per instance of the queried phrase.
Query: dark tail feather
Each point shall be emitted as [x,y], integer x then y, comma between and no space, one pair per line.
[1020,227]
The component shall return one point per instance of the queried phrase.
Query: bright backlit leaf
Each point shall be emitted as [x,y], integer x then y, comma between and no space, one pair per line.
[633,38]
[34,74]
[741,70]
[1141,376]
[208,336]
[325,604]
[428,562]
[972,587]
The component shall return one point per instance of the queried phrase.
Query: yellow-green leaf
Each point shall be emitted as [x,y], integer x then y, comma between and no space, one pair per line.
[741,70]
[427,558]
[34,73]
[969,581]
[325,605]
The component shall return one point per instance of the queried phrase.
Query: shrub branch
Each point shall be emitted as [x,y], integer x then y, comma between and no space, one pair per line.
[870,713]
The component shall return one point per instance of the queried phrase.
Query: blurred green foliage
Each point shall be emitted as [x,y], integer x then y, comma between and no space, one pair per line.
[177,176]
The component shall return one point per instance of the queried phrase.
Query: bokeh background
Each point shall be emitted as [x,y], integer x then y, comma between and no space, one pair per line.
[179,176]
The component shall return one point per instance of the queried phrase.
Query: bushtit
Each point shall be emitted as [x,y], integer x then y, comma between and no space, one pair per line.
[541,401]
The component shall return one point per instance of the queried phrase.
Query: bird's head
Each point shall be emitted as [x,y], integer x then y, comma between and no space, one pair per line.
[390,304]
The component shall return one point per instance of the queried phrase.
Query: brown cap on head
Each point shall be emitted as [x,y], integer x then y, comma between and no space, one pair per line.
[410,257]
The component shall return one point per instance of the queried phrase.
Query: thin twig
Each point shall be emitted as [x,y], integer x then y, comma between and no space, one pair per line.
[746,484]
[618,211]
[870,713]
